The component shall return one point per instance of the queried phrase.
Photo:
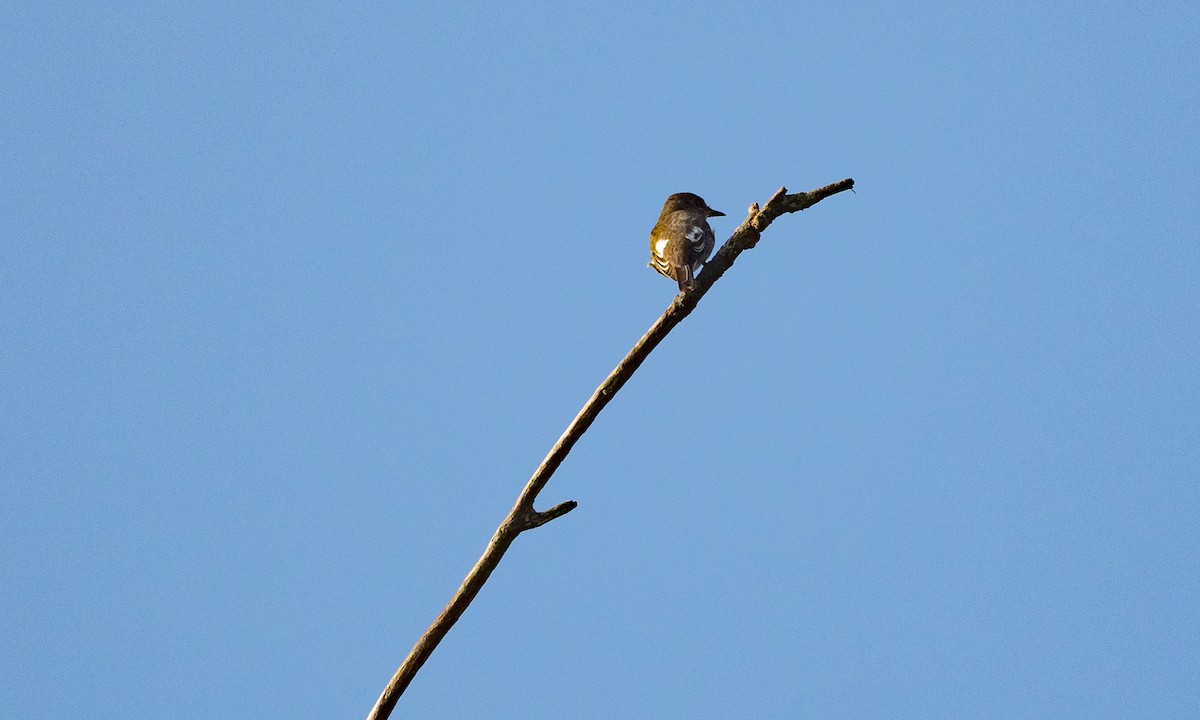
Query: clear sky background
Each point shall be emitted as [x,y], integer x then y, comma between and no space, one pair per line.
[295,296]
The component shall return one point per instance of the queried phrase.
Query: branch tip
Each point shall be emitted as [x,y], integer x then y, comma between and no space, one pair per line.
[779,195]
[538,519]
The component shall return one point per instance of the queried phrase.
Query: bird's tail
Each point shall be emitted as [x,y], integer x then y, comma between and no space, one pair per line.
[686,281]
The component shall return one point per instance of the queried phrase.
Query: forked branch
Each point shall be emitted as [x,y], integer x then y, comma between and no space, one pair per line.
[523,516]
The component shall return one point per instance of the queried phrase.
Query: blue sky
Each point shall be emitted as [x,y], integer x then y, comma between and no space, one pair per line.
[296,295]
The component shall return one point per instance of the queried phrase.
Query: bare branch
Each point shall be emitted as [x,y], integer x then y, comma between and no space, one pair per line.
[539,519]
[522,516]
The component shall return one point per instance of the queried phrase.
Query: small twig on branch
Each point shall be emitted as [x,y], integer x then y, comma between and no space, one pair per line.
[523,517]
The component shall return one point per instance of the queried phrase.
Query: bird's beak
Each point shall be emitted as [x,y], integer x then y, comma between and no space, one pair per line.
[715,213]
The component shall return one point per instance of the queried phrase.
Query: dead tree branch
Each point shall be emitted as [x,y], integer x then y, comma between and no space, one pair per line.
[523,516]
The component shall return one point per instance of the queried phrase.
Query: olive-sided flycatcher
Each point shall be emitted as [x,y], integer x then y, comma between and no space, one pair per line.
[681,241]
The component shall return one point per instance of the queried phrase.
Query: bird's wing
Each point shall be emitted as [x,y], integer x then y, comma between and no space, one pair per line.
[658,253]
[698,236]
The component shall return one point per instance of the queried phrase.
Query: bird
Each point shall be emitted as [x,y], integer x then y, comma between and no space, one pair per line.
[681,241]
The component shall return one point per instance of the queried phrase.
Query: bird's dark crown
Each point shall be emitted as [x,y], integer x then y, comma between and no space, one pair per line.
[689,201]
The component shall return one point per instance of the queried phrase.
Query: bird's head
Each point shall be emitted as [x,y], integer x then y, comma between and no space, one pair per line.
[690,201]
